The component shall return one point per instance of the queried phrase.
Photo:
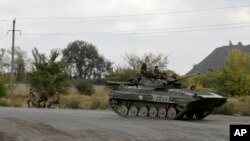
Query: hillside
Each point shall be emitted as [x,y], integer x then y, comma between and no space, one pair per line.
[215,60]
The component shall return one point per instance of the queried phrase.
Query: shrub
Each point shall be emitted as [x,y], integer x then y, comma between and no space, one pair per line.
[85,87]
[72,104]
[95,104]
[246,112]
[3,102]
[226,109]
[3,89]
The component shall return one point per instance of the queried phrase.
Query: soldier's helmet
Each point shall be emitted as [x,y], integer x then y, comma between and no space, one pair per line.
[174,75]
[144,66]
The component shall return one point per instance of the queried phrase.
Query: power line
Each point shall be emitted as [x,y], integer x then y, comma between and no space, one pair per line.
[199,26]
[144,30]
[190,30]
[136,33]
[133,15]
[149,31]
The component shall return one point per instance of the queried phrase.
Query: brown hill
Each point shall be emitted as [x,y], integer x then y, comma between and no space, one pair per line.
[215,60]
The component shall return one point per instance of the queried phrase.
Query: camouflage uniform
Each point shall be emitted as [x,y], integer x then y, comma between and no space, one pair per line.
[31,98]
[43,98]
[156,73]
[56,100]
[144,71]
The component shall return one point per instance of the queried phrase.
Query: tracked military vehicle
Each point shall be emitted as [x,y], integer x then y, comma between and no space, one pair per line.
[161,98]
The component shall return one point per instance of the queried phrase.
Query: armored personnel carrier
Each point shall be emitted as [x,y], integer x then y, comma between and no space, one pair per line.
[161,98]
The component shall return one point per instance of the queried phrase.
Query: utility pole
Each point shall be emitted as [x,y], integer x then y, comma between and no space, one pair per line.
[12,57]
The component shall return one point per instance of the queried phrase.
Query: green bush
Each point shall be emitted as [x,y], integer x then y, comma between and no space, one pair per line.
[95,104]
[121,74]
[3,89]
[72,104]
[246,112]
[85,87]
[3,102]
[226,109]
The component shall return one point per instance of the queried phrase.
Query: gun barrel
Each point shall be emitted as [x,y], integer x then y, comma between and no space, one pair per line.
[116,83]
[185,77]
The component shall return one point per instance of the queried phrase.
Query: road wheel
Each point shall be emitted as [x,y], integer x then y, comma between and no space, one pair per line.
[113,102]
[123,110]
[190,115]
[133,111]
[171,113]
[162,112]
[152,112]
[199,115]
[143,111]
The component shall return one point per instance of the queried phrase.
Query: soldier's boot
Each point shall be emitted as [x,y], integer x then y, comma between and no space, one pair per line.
[28,102]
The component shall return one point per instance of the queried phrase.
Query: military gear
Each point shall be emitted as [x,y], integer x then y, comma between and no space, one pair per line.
[31,98]
[145,72]
[43,99]
[55,100]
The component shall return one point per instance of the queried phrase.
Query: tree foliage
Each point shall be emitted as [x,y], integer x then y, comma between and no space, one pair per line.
[85,87]
[233,79]
[122,74]
[236,74]
[85,61]
[3,89]
[20,63]
[47,72]
[135,61]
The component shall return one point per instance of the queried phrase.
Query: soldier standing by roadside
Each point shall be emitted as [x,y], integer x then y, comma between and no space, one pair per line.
[43,98]
[31,98]
[55,100]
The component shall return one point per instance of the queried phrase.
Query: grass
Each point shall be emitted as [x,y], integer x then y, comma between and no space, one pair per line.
[96,101]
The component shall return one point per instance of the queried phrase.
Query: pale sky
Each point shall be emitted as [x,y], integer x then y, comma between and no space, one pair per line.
[185,30]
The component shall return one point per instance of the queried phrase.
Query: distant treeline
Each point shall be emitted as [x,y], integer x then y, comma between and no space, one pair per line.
[232,80]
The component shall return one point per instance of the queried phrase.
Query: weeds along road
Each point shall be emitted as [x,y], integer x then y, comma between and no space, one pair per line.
[22,124]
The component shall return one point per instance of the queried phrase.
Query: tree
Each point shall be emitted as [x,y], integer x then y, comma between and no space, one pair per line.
[134,61]
[121,74]
[19,65]
[233,79]
[1,60]
[48,72]
[236,74]
[84,58]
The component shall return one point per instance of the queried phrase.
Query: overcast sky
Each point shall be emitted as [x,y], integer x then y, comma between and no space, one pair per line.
[185,30]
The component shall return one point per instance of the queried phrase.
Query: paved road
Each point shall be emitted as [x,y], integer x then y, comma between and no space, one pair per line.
[22,124]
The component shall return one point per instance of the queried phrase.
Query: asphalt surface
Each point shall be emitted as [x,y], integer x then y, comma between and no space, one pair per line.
[22,124]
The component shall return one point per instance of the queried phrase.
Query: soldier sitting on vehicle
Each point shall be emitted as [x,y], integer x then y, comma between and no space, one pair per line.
[143,69]
[55,100]
[157,74]
[43,98]
[31,98]
[145,72]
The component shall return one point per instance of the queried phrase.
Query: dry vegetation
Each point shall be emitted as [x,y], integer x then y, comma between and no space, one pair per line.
[98,100]
[239,106]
